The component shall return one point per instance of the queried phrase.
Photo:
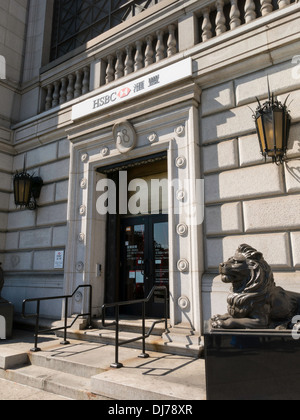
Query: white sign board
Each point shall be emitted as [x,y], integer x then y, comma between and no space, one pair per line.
[59,260]
[146,84]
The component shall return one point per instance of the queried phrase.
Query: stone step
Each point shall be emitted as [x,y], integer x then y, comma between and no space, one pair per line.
[59,383]
[153,343]
[81,370]
[132,324]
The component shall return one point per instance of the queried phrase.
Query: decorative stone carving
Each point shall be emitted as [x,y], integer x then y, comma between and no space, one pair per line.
[79,267]
[82,210]
[183,265]
[182,229]
[184,303]
[180,195]
[152,138]
[125,136]
[180,130]
[105,151]
[78,297]
[83,183]
[255,302]
[180,162]
[81,237]
[84,157]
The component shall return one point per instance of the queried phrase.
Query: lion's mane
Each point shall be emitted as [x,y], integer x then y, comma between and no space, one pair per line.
[257,289]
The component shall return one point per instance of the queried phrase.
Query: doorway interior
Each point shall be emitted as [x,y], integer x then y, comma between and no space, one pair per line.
[137,251]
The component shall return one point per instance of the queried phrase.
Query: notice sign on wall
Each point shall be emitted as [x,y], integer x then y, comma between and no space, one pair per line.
[59,260]
[146,84]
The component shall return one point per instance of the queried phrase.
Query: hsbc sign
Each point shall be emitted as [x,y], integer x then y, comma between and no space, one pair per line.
[133,89]
[124,92]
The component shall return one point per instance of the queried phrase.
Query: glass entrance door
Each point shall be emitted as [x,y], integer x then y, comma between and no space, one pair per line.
[144,261]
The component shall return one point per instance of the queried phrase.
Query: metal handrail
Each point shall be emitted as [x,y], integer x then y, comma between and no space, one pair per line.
[65,327]
[144,335]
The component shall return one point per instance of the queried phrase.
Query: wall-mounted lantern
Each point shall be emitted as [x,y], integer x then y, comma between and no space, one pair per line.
[273,126]
[27,189]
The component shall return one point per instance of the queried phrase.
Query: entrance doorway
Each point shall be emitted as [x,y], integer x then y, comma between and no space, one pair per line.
[144,261]
[137,250]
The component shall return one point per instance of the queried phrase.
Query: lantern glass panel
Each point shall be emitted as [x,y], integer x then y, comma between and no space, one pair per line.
[279,132]
[22,185]
[269,132]
[261,135]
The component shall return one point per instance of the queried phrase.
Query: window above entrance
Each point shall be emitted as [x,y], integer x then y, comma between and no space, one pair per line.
[76,22]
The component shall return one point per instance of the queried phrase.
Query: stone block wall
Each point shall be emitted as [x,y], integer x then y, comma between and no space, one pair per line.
[248,200]
[33,236]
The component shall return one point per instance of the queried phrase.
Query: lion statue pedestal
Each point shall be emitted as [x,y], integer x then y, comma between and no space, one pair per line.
[255,302]
[253,351]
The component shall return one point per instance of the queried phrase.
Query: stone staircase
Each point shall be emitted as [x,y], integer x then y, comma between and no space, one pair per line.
[81,371]
[179,340]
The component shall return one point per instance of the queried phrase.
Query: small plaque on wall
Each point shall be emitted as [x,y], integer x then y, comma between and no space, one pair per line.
[59,260]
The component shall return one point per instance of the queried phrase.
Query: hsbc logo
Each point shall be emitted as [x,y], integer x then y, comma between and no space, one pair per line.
[124,92]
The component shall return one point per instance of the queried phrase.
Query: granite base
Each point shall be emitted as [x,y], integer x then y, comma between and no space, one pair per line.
[252,365]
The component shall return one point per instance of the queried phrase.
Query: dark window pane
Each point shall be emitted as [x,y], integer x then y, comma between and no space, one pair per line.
[76,22]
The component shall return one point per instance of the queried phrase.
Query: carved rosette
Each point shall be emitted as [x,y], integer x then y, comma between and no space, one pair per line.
[152,138]
[180,162]
[182,229]
[82,210]
[105,151]
[180,130]
[180,194]
[83,183]
[183,265]
[81,237]
[79,267]
[125,136]
[84,157]
[184,303]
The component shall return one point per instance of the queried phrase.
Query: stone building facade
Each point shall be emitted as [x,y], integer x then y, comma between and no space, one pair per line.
[219,56]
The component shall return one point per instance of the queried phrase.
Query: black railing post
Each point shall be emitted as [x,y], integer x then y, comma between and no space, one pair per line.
[37,325]
[117,365]
[166,309]
[90,308]
[65,342]
[144,355]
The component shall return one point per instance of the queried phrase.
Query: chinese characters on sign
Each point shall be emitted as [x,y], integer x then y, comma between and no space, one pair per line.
[59,260]
[146,84]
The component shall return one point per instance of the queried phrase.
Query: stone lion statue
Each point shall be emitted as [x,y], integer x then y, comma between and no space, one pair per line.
[255,301]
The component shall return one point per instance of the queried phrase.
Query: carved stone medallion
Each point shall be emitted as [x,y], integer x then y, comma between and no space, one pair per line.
[184,303]
[125,136]
[183,265]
